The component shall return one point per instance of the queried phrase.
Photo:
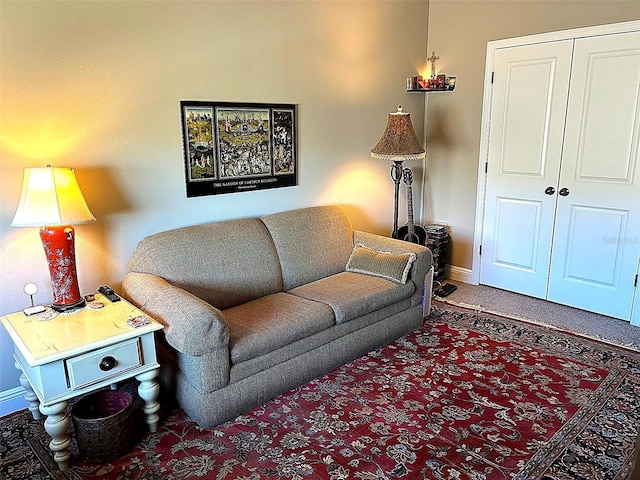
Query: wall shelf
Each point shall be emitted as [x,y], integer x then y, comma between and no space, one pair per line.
[437,83]
[429,90]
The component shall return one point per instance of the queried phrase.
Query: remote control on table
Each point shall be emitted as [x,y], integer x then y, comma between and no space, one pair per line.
[109,293]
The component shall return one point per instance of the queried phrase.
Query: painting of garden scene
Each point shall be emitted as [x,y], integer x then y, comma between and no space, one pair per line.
[244,142]
[235,147]
[199,126]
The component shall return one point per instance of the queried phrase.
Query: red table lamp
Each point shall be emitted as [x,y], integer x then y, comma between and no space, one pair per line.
[51,199]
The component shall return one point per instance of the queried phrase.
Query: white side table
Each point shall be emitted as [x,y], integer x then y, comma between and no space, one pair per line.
[78,352]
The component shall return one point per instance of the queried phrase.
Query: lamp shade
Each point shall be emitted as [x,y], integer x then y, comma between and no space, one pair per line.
[399,141]
[51,196]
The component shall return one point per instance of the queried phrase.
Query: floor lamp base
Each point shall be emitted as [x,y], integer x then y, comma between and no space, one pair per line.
[396,176]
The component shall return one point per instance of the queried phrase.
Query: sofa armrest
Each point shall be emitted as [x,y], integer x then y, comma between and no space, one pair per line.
[191,325]
[420,267]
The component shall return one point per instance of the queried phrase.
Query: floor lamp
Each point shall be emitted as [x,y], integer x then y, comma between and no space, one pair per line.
[398,144]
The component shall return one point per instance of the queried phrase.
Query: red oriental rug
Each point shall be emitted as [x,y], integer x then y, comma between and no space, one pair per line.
[468,396]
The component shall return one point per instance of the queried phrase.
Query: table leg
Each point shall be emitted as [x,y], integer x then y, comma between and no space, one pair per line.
[56,425]
[148,391]
[29,396]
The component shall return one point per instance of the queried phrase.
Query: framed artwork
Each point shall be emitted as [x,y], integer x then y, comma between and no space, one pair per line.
[235,147]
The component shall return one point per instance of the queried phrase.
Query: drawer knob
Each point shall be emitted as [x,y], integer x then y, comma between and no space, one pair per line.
[107,363]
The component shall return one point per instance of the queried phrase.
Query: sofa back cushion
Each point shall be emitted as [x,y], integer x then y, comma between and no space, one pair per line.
[224,263]
[312,243]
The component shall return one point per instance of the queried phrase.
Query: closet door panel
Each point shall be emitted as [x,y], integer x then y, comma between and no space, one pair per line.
[597,234]
[525,143]
[595,259]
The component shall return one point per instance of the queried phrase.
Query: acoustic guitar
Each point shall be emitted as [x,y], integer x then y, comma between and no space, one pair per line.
[410,232]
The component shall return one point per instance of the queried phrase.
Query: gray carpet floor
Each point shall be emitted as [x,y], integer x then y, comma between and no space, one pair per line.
[592,325]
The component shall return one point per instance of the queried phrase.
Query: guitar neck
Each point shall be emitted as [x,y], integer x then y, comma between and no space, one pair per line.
[410,209]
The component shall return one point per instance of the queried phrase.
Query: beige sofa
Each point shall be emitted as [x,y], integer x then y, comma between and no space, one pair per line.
[254,307]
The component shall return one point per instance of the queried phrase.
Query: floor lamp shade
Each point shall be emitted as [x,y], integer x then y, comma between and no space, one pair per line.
[398,141]
[51,199]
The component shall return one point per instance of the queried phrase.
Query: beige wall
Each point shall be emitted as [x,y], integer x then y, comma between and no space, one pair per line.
[96,86]
[459,32]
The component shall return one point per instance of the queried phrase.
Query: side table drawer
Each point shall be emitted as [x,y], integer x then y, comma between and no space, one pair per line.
[99,365]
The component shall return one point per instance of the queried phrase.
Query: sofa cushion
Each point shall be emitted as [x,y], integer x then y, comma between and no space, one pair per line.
[223,263]
[392,266]
[351,295]
[271,322]
[312,243]
[320,339]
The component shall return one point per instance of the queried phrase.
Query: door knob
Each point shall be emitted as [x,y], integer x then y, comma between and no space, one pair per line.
[550,190]
[564,192]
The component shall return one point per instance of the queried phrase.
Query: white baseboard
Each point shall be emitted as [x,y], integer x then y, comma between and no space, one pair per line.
[459,274]
[12,400]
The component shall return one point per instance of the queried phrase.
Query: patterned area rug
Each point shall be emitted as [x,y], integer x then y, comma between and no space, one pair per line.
[469,396]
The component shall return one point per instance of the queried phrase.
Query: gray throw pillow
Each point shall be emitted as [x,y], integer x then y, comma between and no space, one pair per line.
[392,266]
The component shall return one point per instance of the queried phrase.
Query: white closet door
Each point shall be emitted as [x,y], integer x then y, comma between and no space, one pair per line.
[597,236]
[530,91]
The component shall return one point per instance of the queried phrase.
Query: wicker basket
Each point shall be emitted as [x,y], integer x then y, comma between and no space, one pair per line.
[104,425]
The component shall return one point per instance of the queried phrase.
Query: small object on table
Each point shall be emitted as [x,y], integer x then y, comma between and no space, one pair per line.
[109,293]
[138,321]
[31,289]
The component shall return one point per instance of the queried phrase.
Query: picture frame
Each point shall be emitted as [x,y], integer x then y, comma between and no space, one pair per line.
[234,147]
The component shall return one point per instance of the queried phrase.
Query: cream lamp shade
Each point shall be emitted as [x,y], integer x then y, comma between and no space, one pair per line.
[51,196]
